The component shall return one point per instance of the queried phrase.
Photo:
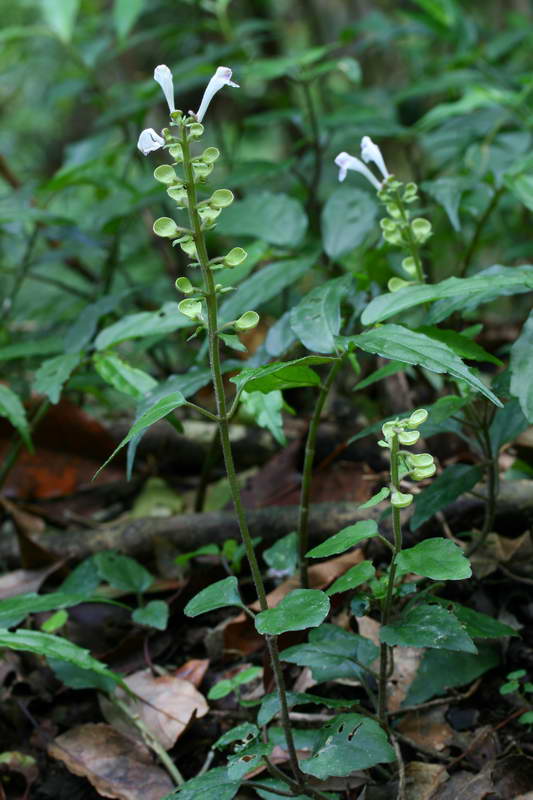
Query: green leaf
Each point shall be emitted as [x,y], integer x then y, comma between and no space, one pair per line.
[146,323]
[441,670]
[428,626]
[316,320]
[448,192]
[344,539]
[333,653]
[55,622]
[14,609]
[247,758]
[483,286]
[519,179]
[476,624]
[460,344]
[349,742]
[50,646]
[44,346]
[280,375]
[439,559]
[240,733]
[377,498]
[123,572]
[270,703]
[444,12]
[218,595]
[451,484]
[83,579]
[274,218]
[158,411]
[61,16]
[508,422]
[154,615]
[401,344]
[123,377]
[521,372]
[12,409]
[79,678]
[83,329]
[383,372]
[353,578]
[300,609]
[54,373]
[272,784]
[125,15]
[265,69]
[265,409]
[282,557]
[347,218]
[214,783]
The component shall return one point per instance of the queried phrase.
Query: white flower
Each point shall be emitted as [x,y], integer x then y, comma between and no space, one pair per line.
[345,162]
[149,141]
[371,152]
[163,76]
[222,77]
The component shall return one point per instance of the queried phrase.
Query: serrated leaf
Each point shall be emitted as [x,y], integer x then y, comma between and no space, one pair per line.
[428,626]
[333,653]
[451,484]
[521,372]
[439,559]
[300,609]
[274,218]
[401,344]
[12,409]
[344,539]
[280,375]
[352,578]
[316,319]
[349,215]
[215,783]
[123,572]
[54,373]
[122,376]
[348,742]
[218,595]
[154,615]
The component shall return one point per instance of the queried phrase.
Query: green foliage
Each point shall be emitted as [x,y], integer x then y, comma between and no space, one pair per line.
[450,484]
[333,653]
[345,539]
[439,559]
[219,595]
[300,609]
[428,626]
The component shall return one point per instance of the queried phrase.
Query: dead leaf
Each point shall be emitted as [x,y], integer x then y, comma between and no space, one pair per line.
[116,766]
[170,704]
[193,671]
[514,553]
[428,727]
[422,779]
[21,581]
[465,786]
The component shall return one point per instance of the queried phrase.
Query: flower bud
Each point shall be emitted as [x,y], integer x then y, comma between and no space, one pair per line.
[166,227]
[188,246]
[176,152]
[247,321]
[408,437]
[395,284]
[417,418]
[235,257]
[421,229]
[184,285]
[191,308]
[221,198]
[401,500]
[165,174]
[196,130]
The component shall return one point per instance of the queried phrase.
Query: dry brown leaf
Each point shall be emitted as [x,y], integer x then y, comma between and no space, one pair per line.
[116,766]
[21,581]
[422,779]
[428,727]
[170,704]
[514,553]
[466,786]
[193,671]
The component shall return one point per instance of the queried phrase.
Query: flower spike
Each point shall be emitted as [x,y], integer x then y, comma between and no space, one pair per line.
[149,141]
[371,152]
[345,162]
[163,76]
[222,77]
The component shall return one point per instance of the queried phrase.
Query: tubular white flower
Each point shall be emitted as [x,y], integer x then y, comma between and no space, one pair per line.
[371,152]
[345,162]
[163,76]
[222,77]
[149,141]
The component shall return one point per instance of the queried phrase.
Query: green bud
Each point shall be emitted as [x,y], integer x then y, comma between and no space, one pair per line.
[176,152]
[420,460]
[393,210]
[221,198]
[395,284]
[208,215]
[196,130]
[421,229]
[210,155]
[176,116]
[400,500]
[410,193]
[201,170]
[409,437]
[235,257]
[166,227]
[423,472]
[417,418]
[165,174]
[184,285]
[179,194]
[247,321]
[409,266]
[191,308]
[388,428]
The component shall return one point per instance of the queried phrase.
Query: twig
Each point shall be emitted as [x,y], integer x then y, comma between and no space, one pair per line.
[401,769]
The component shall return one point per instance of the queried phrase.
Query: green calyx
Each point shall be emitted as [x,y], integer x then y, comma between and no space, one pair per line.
[421,229]
[247,321]
[235,257]
[401,500]
[395,284]
[166,227]
[166,174]
[184,285]
[221,198]
[191,308]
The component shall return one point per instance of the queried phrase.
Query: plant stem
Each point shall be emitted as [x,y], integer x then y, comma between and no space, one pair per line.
[386,608]
[309,457]
[412,244]
[472,247]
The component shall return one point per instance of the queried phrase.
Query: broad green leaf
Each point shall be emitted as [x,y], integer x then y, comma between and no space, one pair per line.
[383,372]
[44,346]
[125,15]
[123,572]
[14,609]
[265,409]
[12,409]
[122,376]
[158,411]
[347,218]
[54,373]
[333,653]
[500,280]
[441,670]
[146,323]
[353,578]
[300,609]
[270,703]
[316,320]
[83,579]
[444,12]
[476,624]
[343,540]
[83,329]
[519,179]
[280,375]
[508,422]
[50,646]
[218,595]
[79,678]
[237,734]
[154,614]
[61,15]
[448,192]
[451,484]
[377,498]
[282,557]
[349,742]
[428,626]
[265,284]
[274,218]
[521,371]
[461,345]
[439,559]
[442,409]
[401,344]
[247,758]
[214,783]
